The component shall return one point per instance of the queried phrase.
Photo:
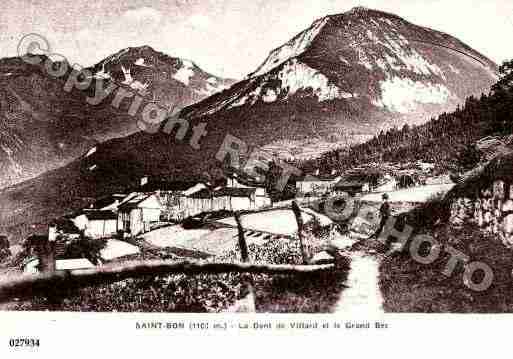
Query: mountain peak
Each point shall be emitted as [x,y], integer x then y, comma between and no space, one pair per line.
[302,41]
[144,51]
[293,48]
[358,10]
[362,12]
[398,69]
[144,48]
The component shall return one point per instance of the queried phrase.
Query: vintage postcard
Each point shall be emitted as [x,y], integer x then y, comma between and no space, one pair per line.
[196,167]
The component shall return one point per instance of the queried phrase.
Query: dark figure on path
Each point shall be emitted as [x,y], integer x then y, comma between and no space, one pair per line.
[384,211]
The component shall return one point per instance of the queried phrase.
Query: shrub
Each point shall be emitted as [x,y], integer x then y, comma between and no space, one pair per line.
[84,247]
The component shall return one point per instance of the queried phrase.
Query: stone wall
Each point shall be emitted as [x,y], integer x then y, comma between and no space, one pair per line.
[491,209]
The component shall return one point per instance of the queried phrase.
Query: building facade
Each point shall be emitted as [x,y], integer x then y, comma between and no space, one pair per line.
[139,213]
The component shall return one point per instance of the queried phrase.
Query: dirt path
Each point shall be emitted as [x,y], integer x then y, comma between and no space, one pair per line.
[362,294]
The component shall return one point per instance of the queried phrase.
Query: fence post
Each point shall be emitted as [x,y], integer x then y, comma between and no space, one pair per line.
[299,220]
[242,240]
[246,279]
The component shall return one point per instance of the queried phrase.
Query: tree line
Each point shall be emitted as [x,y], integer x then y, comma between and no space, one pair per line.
[447,140]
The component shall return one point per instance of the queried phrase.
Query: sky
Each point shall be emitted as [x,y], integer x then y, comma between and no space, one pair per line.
[229,38]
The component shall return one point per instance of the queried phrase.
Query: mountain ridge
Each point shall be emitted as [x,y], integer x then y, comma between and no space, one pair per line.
[371,72]
[43,126]
[317,26]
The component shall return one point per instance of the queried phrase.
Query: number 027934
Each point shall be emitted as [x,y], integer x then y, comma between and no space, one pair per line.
[24,342]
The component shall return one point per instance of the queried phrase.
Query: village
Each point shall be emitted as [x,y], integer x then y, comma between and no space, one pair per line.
[194,220]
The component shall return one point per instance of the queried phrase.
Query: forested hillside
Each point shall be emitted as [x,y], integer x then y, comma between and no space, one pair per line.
[447,140]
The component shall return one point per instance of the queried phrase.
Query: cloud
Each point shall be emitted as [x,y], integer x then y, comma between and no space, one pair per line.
[143,14]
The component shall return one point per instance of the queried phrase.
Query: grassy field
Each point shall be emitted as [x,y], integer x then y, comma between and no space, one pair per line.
[408,286]
[280,221]
[307,293]
[312,293]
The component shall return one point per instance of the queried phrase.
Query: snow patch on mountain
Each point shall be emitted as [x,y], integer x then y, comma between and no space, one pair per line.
[363,59]
[371,36]
[140,62]
[233,100]
[15,166]
[454,69]
[185,73]
[210,89]
[405,56]
[411,58]
[387,21]
[347,95]
[403,94]
[270,96]
[296,76]
[381,64]
[392,63]
[114,58]
[293,48]
[91,151]
[102,74]
[211,86]
[134,84]
[238,102]
[344,60]
[252,97]
[374,22]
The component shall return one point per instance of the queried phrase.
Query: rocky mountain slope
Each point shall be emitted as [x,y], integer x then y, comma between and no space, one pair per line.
[170,81]
[34,111]
[347,77]
[42,126]
[339,82]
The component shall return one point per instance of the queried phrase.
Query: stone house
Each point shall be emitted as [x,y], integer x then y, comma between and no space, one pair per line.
[138,213]
[97,223]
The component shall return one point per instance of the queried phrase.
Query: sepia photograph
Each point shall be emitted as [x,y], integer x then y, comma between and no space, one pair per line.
[201,157]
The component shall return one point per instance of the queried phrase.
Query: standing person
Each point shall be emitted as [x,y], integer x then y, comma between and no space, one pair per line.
[384,211]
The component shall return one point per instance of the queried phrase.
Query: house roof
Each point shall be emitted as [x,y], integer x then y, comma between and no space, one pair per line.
[194,189]
[224,191]
[349,184]
[358,178]
[100,215]
[63,264]
[107,200]
[203,193]
[133,200]
[246,180]
[29,260]
[316,179]
[71,264]
[163,185]
[362,175]
[66,225]
[234,192]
